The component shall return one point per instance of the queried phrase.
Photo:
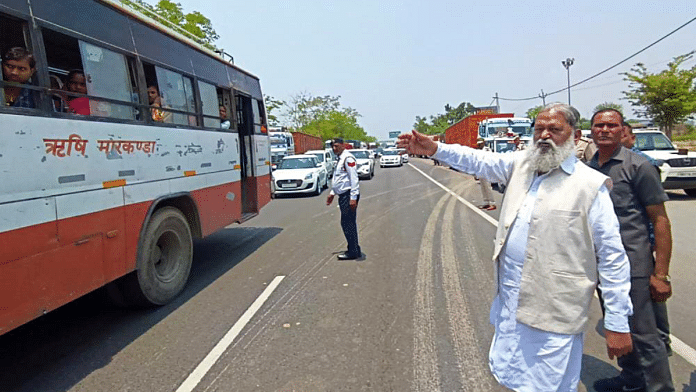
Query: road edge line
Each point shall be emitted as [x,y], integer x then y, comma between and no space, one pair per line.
[207,363]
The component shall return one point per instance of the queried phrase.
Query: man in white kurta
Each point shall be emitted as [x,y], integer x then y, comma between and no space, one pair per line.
[545,282]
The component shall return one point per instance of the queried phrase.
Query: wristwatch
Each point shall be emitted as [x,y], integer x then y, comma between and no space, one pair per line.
[664,278]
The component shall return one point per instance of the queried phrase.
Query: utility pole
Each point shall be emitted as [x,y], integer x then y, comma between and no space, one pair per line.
[543,97]
[497,103]
[567,63]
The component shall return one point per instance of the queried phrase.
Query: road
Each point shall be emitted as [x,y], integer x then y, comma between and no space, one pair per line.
[411,316]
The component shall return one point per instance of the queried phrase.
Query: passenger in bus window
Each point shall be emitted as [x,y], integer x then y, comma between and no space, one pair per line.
[155,100]
[77,84]
[18,66]
[224,120]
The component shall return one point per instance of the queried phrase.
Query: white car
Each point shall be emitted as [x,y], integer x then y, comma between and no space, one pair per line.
[404,155]
[390,158]
[299,174]
[677,171]
[326,158]
[366,165]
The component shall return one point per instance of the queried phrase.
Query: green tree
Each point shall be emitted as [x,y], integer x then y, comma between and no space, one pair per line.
[440,122]
[608,105]
[171,14]
[272,107]
[584,123]
[668,97]
[533,112]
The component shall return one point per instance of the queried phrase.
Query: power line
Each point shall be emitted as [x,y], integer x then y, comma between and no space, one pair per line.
[607,69]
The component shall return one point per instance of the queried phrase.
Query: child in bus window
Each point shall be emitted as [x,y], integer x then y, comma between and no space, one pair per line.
[155,100]
[224,121]
[77,84]
[18,66]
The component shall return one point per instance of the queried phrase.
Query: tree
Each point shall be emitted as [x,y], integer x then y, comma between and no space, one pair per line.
[533,112]
[668,97]
[439,123]
[324,116]
[272,107]
[608,105]
[171,14]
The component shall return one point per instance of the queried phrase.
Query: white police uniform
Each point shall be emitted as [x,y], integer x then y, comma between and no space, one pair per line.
[345,185]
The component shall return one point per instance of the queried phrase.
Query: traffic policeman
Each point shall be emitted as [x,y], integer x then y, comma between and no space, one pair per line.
[345,185]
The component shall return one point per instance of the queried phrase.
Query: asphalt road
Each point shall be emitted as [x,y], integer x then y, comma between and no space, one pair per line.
[411,316]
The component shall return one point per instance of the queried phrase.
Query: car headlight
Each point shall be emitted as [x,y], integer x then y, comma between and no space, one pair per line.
[309,176]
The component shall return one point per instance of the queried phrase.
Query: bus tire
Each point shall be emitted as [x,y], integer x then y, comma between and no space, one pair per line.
[164,260]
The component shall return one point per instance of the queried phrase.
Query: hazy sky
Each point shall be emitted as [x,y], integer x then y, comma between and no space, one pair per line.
[395,60]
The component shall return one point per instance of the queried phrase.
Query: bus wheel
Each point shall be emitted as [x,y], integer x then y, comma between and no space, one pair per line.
[164,259]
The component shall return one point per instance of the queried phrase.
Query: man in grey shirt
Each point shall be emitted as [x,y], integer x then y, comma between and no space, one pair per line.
[638,200]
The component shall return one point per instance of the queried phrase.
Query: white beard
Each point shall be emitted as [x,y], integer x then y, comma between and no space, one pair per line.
[546,161]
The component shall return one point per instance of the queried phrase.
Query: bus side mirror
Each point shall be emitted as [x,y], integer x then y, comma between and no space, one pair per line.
[273,167]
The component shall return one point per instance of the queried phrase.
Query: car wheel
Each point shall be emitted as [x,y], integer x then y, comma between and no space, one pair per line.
[317,190]
[691,192]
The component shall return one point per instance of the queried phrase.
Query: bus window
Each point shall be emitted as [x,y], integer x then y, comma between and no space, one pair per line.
[258,112]
[89,70]
[177,93]
[225,101]
[210,106]
[18,66]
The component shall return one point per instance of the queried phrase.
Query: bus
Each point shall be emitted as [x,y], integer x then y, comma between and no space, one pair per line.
[168,142]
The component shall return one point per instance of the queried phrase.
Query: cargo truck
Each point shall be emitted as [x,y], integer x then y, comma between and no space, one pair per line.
[305,142]
[466,131]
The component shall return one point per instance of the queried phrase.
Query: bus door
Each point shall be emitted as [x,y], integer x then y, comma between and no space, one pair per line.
[245,126]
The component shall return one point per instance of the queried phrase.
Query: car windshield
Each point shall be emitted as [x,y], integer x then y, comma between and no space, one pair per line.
[320,156]
[653,141]
[360,154]
[390,152]
[504,146]
[297,163]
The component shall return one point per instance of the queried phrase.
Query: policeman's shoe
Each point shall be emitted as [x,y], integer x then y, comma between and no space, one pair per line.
[616,384]
[347,256]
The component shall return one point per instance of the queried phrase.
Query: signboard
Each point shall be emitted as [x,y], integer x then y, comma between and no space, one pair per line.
[486,110]
[394,134]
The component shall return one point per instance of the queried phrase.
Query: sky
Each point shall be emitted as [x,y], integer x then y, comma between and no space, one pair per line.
[395,60]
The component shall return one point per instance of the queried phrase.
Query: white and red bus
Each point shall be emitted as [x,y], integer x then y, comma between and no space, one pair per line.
[114,196]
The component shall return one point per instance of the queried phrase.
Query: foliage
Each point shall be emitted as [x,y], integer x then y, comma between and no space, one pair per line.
[668,97]
[324,116]
[533,112]
[440,122]
[171,14]
[608,105]
[584,123]
[688,136]
[272,107]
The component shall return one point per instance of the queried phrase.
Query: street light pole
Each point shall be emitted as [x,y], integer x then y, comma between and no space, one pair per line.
[567,63]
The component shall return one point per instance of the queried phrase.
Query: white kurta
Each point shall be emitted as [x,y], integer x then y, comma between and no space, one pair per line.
[523,358]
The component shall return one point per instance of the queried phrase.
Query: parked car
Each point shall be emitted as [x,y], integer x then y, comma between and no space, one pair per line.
[326,158]
[390,157]
[678,171]
[366,165]
[299,174]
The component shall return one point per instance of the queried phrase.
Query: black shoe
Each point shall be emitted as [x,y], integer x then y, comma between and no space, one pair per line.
[615,384]
[347,256]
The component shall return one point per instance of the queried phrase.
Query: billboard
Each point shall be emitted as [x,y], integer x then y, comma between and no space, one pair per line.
[486,110]
[394,134]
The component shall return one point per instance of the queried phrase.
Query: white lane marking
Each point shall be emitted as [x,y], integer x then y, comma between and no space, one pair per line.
[461,199]
[684,350]
[200,371]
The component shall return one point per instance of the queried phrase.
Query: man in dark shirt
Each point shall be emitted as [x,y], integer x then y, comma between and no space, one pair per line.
[638,200]
[18,66]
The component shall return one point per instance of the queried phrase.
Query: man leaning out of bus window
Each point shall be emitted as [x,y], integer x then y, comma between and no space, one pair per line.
[18,66]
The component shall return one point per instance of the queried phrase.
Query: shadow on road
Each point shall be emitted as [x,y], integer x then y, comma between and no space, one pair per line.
[56,351]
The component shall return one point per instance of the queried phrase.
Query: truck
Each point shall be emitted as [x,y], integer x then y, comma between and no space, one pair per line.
[282,144]
[491,129]
[305,142]
[466,131]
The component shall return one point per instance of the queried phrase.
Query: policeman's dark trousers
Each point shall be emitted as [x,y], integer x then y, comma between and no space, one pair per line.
[648,361]
[349,223]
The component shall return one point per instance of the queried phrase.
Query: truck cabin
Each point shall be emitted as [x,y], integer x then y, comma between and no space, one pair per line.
[502,127]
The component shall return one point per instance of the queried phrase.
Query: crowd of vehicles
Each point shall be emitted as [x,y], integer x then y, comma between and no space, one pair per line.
[115,195]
